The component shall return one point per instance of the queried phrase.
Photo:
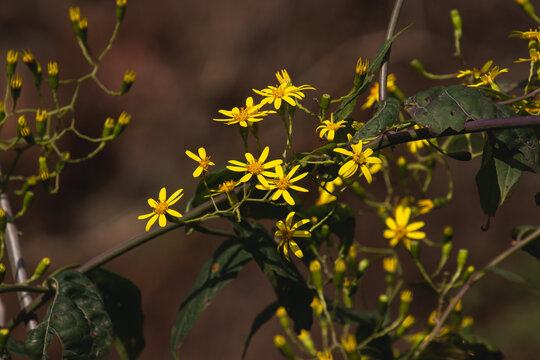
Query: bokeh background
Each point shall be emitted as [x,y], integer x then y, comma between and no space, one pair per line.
[193,58]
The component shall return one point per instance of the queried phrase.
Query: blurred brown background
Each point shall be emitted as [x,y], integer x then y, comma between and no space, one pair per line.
[193,58]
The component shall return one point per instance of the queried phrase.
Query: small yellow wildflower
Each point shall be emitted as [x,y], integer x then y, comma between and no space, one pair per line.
[202,159]
[399,228]
[52,68]
[486,75]
[362,66]
[129,76]
[225,187]
[287,231]
[326,190]
[529,35]
[373,95]
[285,91]
[390,264]
[255,167]
[475,72]
[74,14]
[283,183]
[161,207]
[425,205]
[244,116]
[534,57]
[12,56]
[325,355]
[330,127]
[360,159]
[349,343]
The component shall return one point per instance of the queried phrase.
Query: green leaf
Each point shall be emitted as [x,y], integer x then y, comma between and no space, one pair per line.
[122,301]
[441,108]
[518,147]
[224,266]
[291,289]
[262,318]
[346,107]
[77,317]
[513,277]
[533,247]
[383,119]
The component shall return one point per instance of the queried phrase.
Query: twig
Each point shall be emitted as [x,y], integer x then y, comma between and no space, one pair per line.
[389,33]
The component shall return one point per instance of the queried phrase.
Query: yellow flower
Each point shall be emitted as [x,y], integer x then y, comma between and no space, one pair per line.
[324,355]
[475,72]
[489,78]
[425,205]
[202,159]
[244,116]
[373,96]
[349,343]
[161,207]
[283,183]
[285,91]
[400,229]
[534,57]
[390,264]
[225,187]
[330,127]
[326,190]
[362,66]
[529,35]
[359,159]
[255,167]
[414,146]
[287,231]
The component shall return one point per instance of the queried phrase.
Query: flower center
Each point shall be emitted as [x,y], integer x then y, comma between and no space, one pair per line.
[161,208]
[282,184]
[332,126]
[255,168]
[359,158]
[243,115]
[286,235]
[400,232]
[204,163]
[227,186]
[278,92]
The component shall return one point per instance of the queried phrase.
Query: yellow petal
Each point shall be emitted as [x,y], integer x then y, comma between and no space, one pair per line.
[202,153]
[153,203]
[162,194]
[151,222]
[145,216]
[174,213]
[288,198]
[193,156]
[162,220]
[264,154]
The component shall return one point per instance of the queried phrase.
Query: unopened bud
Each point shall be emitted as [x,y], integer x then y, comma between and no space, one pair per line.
[316,274]
[82,25]
[2,273]
[462,256]
[43,170]
[307,341]
[27,201]
[129,78]
[24,131]
[120,10]
[414,248]
[284,348]
[41,121]
[362,266]
[325,102]
[281,314]
[3,221]
[316,306]
[349,345]
[52,70]
[339,273]
[15,86]
[468,272]
[382,304]
[123,121]
[108,127]
[11,62]
[4,334]
[2,112]
[42,267]
[417,65]
[405,325]
[448,234]
[456,21]
[404,306]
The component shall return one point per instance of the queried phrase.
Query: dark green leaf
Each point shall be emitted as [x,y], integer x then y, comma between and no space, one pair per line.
[262,318]
[16,347]
[476,348]
[77,316]
[383,119]
[518,148]
[441,108]
[224,266]
[122,301]
[533,247]
[291,289]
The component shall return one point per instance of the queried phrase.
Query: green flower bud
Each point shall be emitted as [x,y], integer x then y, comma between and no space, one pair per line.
[456,21]
[41,121]
[108,127]
[75,16]
[11,62]
[24,131]
[284,348]
[120,10]
[52,70]
[27,201]
[123,121]
[362,266]
[3,221]
[404,326]
[360,72]
[82,24]
[129,78]
[15,86]
[339,273]
[402,167]
[417,65]
[281,313]
[382,305]
[350,345]
[448,234]
[4,334]
[62,161]
[468,272]
[325,102]
[316,274]
[414,248]
[43,170]
[2,112]
[307,341]
[42,267]
[2,273]
[404,306]
[463,254]
[358,190]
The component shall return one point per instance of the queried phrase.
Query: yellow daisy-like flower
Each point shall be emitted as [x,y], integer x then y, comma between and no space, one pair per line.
[373,95]
[534,57]
[285,91]
[360,159]
[225,187]
[414,146]
[245,116]
[325,355]
[489,78]
[529,35]
[425,205]
[202,159]
[283,183]
[287,231]
[361,66]
[255,167]
[161,207]
[475,72]
[330,127]
[399,228]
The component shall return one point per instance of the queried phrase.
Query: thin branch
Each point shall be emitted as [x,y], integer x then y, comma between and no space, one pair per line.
[389,34]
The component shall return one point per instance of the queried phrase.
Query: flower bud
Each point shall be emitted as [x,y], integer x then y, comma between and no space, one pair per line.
[42,267]
[24,131]
[129,78]
[75,16]
[15,86]
[52,70]
[339,273]
[123,121]
[417,65]
[360,72]
[284,348]
[405,325]
[362,266]
[358,190]
[414,249]
[3,221]
[326,355]
[448,234]
[62,160]
[4,334]
[108,127]
[2,112]
[352,254]
[527,8]
[316,274]
[11,62]
[2,273]
[325,102]
[382,304]
[468,272]
[120,10]
[307,341]
[350,345]
[27,201]
[41,121]
[463,254]
[82,24]
[402,167]
[404,306]
[30,61]
[281,314]
[456,21]
[43,170]
[316,306]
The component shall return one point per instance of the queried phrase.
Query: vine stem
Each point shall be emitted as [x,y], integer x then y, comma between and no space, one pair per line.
[16,260]
[389,34]
[474,278]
